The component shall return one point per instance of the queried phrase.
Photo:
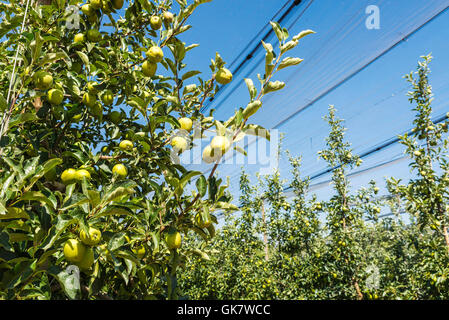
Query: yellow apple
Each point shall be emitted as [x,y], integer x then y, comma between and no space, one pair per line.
[74,250]
[168,17]
[87,9]
[209,155]
[79,38]
[43,80]
[91,239]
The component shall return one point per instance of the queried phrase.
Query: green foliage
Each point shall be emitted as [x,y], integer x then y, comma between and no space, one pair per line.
[302,248]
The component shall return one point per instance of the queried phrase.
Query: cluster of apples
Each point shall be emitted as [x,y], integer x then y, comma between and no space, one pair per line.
[71,175]
[80,252]
[155,54]
[219,144]
[43,80]
[90,98]
[211,153]
[90,9]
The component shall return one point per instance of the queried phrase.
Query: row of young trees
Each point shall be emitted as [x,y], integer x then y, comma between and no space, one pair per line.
[303,248]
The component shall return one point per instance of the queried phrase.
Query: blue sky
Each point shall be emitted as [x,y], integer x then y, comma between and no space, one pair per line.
[373,101]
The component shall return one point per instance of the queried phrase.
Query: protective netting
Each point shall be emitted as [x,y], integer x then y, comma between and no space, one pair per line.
[359,70]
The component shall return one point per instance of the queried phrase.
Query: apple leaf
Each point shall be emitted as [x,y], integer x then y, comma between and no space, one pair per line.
[287,62]
[251,88]
[14,213]
[201,185]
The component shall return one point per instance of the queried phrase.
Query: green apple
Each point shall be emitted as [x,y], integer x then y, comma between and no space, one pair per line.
[89,99]
[168,17]
[93,35]
[107,97]
[81,174]
[155,22]
[87,9]
[155,54]
[220,144]
[43,80]
[117,4]
[97,109]
[87,261]
[201,222]
[55,96]
[96,4]
[209,155]
[126,145]
[68,176]
[179,144]
[149,68]
[139,251]
[115,117]
[223,76]
[186,123]
[120,170]
[74,250]
[91,239]
[173,240]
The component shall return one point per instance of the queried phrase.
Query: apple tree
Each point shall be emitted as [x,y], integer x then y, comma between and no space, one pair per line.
[97,104]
